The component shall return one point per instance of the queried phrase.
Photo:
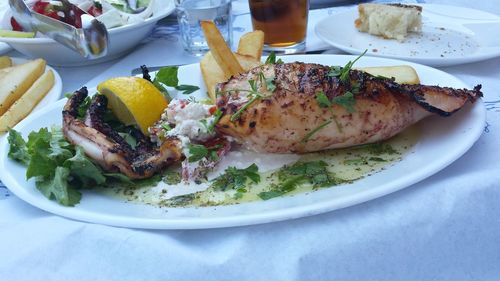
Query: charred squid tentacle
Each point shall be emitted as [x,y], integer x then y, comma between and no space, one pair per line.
[107,148]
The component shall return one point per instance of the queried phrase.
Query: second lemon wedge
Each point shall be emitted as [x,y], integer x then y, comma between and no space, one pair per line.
[134,101]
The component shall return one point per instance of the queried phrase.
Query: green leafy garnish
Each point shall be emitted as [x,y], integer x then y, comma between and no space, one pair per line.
[380,148]
[198,151]
[18,150]
[254,93]
[234,178]
[323,100]
[308,136]
[168,76]
[343,72]
[315,173]
[187,89]
[217,117]
[59,168]
[172,177]
[347,101]
[271,59]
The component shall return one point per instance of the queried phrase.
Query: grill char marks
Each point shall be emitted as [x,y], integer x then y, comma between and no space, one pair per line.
[107,148]
[279,121]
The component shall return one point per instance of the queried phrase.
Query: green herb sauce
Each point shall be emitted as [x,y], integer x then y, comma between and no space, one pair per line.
[313,171]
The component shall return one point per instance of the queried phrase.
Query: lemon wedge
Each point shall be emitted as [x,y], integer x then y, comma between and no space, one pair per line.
[134,101]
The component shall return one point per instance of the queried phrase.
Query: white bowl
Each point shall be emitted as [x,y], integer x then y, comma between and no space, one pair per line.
[121,40]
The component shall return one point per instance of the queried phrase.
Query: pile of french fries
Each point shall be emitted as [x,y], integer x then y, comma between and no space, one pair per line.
[21,88]
[220,63]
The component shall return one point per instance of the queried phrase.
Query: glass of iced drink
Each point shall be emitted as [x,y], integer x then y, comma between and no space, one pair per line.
[284,23]
[189,15]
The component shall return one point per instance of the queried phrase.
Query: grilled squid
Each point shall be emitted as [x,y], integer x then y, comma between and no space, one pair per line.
[110,150]
[299,107]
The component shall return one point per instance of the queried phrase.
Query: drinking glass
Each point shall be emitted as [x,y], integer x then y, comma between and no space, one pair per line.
[284,23]
[189,15]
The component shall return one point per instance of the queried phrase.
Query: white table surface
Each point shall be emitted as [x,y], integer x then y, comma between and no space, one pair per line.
[446,227]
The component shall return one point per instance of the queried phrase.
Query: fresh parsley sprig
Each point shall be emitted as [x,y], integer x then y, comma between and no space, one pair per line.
[168,76]
[236,179]
[309,135]
[343,72]
[263,82]
[271,59]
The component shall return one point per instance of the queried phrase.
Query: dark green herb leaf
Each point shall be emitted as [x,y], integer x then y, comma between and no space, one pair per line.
[237,114]
[271,59]
[323,100]
[266,195]
[197,152]
[17,149]
[172,177]
[377,159]
[347,101]
[308,136]
[187,89]
[84,170]
[380,148]
[56,187]
[168,76]
[234,178]
[217,116]
[357,161]
[166,127]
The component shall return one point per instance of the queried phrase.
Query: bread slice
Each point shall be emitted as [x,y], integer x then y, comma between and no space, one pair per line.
[391,21]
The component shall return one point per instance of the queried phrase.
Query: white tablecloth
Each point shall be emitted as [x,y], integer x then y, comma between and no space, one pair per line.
[446,227]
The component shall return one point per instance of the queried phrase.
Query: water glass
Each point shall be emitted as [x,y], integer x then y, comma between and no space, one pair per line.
[189,15]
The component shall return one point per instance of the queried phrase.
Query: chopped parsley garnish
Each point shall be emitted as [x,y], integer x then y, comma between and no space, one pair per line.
[236,179]
[347,101]
[172,177]
[254,93]
[343,72]
[308,136]
[198,151]
[323,100]
[217,115]
[271,59]
[315,173]
[168,76]
[380,148]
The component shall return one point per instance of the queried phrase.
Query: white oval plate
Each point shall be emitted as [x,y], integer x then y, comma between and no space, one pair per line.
[54,94]
[450,35]
[455,135]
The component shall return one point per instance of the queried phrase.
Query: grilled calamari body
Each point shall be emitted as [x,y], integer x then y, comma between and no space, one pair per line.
[286,116]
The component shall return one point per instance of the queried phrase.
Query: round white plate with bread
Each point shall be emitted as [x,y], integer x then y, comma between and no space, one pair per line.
[450,35]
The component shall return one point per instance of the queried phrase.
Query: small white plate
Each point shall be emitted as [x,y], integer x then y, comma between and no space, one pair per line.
[450,35]
[441,141]
[54,94]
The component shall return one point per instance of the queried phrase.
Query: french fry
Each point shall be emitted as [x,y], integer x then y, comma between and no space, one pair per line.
[213,74]
[17,81]
[403,74]
[220,51]
[5,62]
[251,44]
[25,104]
